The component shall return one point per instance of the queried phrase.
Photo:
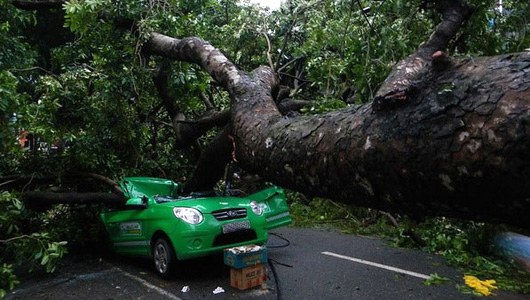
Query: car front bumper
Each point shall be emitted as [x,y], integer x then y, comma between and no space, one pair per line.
[191,241]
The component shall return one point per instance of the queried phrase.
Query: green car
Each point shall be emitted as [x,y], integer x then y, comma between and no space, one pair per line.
[157,222]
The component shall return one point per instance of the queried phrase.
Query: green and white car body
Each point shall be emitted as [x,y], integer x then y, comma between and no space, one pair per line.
[190,226]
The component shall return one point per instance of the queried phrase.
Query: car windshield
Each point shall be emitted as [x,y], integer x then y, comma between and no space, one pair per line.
[164,199]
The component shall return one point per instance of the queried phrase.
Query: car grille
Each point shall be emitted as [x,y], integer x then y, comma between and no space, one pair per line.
[230,214]
[236,226]
[235,237]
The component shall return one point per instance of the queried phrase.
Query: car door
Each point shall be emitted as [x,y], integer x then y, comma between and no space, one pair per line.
[274,204]
[127,230]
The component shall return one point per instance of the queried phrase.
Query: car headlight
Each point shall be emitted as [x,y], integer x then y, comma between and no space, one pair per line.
[256,208]
[188,215]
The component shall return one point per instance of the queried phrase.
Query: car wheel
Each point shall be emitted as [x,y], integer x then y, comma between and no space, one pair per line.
[163,257]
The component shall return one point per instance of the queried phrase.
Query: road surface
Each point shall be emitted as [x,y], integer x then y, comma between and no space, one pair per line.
[304,264]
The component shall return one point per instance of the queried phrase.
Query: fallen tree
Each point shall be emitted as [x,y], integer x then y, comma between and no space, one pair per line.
[443,136]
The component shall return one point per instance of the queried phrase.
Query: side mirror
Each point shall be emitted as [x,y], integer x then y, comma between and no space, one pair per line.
[136,203]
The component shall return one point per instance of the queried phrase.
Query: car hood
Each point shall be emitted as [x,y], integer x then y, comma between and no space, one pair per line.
[209,204]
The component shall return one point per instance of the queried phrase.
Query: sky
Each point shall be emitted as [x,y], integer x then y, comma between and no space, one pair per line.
[272,4]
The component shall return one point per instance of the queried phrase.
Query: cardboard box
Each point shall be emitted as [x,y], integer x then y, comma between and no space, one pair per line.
[247,277]
[245,256]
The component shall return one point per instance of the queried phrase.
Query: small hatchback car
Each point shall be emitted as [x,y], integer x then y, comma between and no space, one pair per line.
[157,222]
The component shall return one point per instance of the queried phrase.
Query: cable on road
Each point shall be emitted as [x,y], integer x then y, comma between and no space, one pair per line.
[271,265]
[276,281]
[280,263]
[287,242]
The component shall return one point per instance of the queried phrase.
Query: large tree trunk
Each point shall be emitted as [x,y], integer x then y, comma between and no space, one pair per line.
[459,146]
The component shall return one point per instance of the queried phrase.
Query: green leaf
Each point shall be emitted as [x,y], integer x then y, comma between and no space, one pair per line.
[435,279]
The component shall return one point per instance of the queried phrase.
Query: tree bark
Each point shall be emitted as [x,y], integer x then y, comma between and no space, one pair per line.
[460,147]
[38,200]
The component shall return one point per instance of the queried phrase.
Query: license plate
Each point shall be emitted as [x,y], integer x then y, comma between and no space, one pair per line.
[236,226]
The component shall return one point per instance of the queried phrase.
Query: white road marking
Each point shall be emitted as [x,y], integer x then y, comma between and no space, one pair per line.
[373,264]
[149,285]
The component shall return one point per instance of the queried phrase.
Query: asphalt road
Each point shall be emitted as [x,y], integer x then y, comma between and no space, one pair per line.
[315,275]
[305,264]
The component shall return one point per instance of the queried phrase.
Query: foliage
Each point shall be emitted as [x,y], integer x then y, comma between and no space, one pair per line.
[8,280]
[8,101]
[435,279]
[321,212]
[356,43]
[17,56]
[495,29]
[13,24]
[471,247]
[20,245]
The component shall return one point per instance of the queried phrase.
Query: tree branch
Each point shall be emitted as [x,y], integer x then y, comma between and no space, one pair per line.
[289,105]
[299,11]
[34,68]
[115,186]
[295,77]
[454,14]
[200,52]
[36,5]
[186,131]
[43,199]
[366,17]
[269,59]
[210,119]
[394,90]
[25,236]
[416,238]
[45,179]
[287,64]
[210,167]
[160,81]
[206,100]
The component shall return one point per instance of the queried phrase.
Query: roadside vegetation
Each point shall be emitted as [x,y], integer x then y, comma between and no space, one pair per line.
[28,241]
[469,246]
